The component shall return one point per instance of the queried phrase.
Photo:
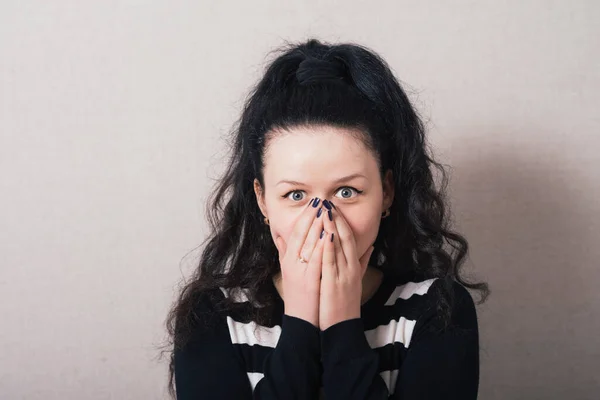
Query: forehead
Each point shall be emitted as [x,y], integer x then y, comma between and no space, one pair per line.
[310,151]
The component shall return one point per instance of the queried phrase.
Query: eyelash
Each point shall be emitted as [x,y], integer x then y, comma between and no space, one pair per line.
[358,192]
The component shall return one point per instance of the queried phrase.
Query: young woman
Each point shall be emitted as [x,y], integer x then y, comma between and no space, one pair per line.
[330,270]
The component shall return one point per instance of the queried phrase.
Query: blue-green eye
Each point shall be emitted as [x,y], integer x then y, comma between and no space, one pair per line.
[347,191]
[296,195]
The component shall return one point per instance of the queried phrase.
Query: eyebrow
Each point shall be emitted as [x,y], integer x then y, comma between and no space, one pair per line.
[340,180]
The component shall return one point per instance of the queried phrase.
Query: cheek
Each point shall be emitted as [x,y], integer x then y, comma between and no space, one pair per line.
[365,226]
[282,224]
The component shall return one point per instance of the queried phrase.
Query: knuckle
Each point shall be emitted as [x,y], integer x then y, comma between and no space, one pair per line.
[344,235]
[292,239]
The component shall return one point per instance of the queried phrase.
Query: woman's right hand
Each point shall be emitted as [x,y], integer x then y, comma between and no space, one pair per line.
[301,282]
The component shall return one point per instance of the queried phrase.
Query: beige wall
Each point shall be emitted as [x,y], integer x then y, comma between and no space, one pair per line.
[110,116]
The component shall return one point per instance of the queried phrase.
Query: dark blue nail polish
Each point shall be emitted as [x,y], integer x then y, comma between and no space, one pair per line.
[322,232]
[316,202]
[311,200]
[332,237]
[326,204]
[319,212]
[332,205]
[330,215]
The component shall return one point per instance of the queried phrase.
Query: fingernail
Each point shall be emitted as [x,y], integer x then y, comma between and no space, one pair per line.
[327,204]
[311,200]
[332,205]
[332,237]
[330,215]
[316,202]
[319,212]
[322,232]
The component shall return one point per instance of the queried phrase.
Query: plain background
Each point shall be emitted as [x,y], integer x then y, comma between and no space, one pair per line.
[111,122]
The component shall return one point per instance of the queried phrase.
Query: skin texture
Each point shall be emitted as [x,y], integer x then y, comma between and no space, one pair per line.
[310,162]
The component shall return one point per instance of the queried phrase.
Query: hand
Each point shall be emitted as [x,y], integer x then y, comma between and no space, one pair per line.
[343,271]
[301,281]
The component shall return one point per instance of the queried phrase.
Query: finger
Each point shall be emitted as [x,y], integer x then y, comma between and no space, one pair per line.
[302,226]
[313,237]
[329,267]
[330,226]
[364,260]
[315,264]
[340,258]
[281,246]
[345,236]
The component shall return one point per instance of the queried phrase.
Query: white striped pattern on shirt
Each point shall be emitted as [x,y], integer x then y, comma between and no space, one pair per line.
[396,331]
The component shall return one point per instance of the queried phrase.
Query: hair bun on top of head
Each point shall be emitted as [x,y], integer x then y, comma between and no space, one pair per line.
[312,70]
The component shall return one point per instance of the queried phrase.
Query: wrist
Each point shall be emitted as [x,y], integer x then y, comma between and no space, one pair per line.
[352,311]
[303,312]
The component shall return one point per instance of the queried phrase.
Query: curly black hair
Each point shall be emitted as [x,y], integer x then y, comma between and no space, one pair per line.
[416,238]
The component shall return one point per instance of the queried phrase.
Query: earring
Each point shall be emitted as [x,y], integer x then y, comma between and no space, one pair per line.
[266,220]
[385,214]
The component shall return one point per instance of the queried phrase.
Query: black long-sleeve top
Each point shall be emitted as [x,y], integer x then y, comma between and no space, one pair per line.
[398,349]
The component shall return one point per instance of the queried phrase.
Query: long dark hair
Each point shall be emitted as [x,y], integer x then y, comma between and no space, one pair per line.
[343,85]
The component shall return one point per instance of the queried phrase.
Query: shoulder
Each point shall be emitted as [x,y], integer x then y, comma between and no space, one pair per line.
[220,309]
[428,306]
[208,303]
[447,306]
[430,293]
[456,297]
[199,315]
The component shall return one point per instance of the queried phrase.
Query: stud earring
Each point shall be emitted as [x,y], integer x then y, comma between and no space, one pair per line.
[266,220]
[386,214]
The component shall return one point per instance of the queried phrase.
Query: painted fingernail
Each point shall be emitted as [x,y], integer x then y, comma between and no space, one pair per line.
[319,212]
[332,205]
[322,232]
[316,202]
[311,200]
[332,237]
[326,204]
[330,215]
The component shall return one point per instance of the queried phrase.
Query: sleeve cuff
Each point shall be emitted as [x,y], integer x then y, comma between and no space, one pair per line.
[344,341]
[300,336]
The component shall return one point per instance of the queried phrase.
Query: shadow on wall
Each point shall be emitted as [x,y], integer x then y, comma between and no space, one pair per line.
[530,227]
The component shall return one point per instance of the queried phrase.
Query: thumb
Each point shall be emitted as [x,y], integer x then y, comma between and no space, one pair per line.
[281,246]
[364,260]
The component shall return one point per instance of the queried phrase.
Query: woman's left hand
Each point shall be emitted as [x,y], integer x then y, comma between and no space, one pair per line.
[342,271]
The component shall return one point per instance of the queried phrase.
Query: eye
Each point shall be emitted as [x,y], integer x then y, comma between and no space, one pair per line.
[346,192]
[296,195]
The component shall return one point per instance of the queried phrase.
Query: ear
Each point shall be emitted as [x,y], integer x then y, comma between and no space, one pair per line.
[388,190]
[260,198]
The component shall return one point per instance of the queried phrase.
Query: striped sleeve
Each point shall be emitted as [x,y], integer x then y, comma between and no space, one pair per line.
[442,363]
[350,366]
[404,352]
[210,366]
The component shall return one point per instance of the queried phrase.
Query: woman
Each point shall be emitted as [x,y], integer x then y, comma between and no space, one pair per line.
[330,270]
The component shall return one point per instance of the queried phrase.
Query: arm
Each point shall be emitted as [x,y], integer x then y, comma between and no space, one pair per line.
[209,367]
[443,365]
[350,366]
[438,365]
